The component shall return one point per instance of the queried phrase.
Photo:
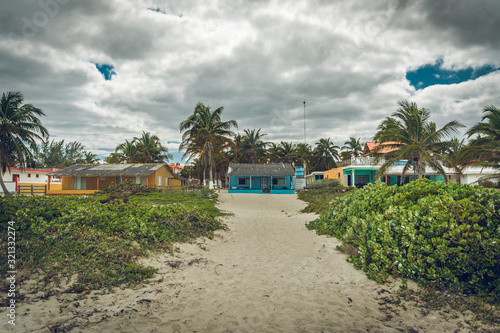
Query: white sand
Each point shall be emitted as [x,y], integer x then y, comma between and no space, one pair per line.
[267,273]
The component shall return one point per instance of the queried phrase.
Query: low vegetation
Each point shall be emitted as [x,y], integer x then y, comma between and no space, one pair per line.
[444,236]
[434,233]
[95,242]
[320,193]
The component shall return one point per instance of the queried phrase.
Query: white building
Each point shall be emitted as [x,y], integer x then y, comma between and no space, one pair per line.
[16,176]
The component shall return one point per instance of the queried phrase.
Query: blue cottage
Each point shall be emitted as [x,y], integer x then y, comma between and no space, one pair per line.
[276,178]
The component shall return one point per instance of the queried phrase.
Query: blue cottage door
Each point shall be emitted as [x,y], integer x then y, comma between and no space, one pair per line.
[263,182]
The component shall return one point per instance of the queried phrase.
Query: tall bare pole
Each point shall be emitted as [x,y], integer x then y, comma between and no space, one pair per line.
[305,138]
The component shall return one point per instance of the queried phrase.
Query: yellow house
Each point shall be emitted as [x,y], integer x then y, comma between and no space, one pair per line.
[87,179]
[335,173]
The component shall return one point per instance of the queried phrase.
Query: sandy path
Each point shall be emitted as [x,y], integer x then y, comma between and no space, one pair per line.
[267,273]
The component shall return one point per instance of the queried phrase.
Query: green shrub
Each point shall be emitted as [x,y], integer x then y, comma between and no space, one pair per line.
[98,242]
[488,184]
[436,233]
[319,199]
[126,188]
[323,183]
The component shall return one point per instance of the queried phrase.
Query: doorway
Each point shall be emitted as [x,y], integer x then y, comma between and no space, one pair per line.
[263,182]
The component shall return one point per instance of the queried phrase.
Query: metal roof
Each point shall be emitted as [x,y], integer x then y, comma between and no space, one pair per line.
[247,169]
[108,170]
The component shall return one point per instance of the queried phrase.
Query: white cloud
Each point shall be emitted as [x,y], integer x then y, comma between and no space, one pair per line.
[258,59]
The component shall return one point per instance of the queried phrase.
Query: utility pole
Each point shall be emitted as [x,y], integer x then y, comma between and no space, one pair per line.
[305,138]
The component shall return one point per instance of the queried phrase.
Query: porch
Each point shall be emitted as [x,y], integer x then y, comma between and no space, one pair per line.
[261,184]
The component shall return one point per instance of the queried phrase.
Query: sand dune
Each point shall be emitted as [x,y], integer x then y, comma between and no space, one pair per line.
[267,273]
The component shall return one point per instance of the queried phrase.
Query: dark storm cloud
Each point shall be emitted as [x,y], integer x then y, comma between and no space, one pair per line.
[469,23]
[258,59]
[71,24]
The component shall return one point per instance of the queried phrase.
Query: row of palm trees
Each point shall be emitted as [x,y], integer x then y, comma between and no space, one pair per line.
[411,136]
[211,145]
[144,149]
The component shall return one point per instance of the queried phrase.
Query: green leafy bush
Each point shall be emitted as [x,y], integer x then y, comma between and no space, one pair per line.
[323,183]
[488,184]
[319,199]
[436,233]
[127,188]
[98,242]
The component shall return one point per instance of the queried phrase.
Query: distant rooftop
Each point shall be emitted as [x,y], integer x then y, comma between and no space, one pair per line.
[371,145]
[247,169]
[108,170]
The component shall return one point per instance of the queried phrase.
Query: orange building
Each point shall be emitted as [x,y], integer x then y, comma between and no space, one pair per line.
[335,173]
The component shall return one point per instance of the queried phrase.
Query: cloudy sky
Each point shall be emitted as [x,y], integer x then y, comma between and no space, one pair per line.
[104,71]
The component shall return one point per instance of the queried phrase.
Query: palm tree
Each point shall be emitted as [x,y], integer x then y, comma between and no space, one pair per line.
[235,150]
[325,154]
[129,151]
[253,149]
[205,134]
[345,155]
[413,138]
[484,150]
[458,154]
[287,152]
[303,154]
[273,153]
[222,160]
[113,158]
[353,146]
[150,150]
[455,149]
[19,130]
[88,158]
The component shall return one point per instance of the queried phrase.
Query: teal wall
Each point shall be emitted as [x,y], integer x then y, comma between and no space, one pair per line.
[255,183]
[370,173]
[391,180]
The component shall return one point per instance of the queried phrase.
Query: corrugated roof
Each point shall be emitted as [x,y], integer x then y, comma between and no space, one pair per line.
[108,170]
[247,169]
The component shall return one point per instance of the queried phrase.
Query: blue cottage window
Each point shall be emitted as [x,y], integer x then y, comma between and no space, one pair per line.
[244,181]
[279,181]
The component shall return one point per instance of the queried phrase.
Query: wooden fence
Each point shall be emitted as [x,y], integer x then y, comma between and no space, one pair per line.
[31,189]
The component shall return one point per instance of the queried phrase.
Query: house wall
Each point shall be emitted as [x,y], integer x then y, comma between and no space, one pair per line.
[106,182]
[314,176]
[11,186]
[335,173]
[255,183]
[164,173]
[55,186]
[91,181]
[178,182]
[350,180]
[66,183]
[27,176]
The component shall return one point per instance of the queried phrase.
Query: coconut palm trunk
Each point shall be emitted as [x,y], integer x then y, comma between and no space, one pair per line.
[210,165]
[2,184]
[420,170]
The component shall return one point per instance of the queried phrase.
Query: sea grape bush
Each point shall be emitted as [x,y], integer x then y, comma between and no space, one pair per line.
[436,233]
[63,236]
[127,187]
[323,183]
